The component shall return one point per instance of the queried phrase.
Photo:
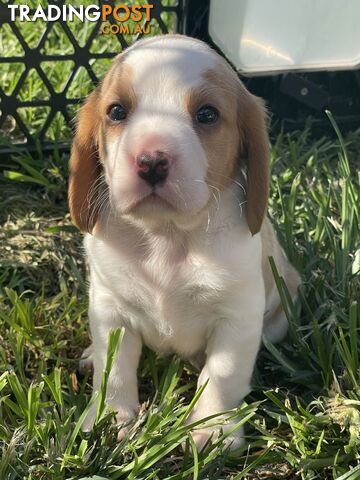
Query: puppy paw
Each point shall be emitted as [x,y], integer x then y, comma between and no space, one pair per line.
[90,418]
[122,433]
[235,440]
[86,360]
[203,437]
[122,418]
[207,436]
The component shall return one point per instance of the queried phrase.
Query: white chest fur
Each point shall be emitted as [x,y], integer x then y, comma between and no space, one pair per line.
[172,289]
[198,292]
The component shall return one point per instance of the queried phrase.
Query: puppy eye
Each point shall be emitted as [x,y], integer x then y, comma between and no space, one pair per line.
[207,115]
[117,113]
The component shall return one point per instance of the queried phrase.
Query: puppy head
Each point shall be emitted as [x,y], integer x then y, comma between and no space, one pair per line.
[170,124]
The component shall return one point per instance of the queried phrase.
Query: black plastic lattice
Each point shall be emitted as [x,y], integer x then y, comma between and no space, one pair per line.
[337,91]
[82,57]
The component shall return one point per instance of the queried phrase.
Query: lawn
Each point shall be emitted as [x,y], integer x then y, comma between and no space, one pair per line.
[302,419]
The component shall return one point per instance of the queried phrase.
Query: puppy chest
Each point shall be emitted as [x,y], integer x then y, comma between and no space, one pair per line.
[172,307]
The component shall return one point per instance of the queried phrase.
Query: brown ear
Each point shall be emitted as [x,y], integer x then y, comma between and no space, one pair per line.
[256,142]
[85,166]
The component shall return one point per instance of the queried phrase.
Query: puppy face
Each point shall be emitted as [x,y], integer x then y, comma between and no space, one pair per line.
[168,129]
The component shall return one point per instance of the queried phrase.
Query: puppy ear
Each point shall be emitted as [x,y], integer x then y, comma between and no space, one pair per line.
[85,166]
[255,142]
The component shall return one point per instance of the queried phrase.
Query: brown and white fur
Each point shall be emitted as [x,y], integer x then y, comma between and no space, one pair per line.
[182,265]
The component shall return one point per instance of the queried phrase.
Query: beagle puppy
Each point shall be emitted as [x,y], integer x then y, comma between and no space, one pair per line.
[169,181]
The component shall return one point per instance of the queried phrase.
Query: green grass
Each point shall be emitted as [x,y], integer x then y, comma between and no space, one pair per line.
[303,416]
[302,419]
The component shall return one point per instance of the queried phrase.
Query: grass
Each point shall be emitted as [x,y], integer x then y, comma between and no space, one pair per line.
[302,418]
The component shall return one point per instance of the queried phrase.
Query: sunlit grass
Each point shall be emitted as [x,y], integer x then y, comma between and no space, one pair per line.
[302,419]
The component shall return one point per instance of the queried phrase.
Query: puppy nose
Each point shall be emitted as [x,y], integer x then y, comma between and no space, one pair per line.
[153,167]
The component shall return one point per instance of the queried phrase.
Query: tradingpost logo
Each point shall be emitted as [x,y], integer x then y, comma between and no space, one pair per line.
[130,19]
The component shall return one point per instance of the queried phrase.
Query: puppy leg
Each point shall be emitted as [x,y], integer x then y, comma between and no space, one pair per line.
[122,390]
[86,360]
[231,355]
[276,327]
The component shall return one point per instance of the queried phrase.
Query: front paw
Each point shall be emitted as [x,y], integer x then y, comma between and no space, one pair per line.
[123,417]
[86,361]
[89,420]
[206,436]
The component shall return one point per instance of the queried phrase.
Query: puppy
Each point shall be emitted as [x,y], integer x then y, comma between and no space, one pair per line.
[169,179]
